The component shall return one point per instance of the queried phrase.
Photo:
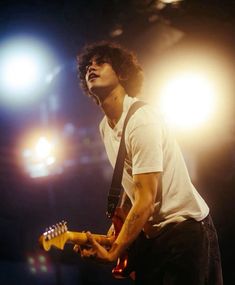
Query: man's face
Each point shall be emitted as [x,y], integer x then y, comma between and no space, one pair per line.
[100,77]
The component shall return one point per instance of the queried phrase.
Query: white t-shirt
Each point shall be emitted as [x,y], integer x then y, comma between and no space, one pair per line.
[151,148]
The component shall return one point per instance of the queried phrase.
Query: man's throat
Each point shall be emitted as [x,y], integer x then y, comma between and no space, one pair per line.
[112,123]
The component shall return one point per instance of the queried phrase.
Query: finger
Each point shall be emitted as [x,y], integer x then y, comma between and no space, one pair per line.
[91,240]
[77,248]
[88,253]
[95,245]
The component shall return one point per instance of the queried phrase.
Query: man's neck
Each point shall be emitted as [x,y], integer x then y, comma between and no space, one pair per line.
[113,106]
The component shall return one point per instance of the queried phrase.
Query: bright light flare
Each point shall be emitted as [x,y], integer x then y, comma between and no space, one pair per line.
[24,63]
[20,72]
[188,100]
[41,155]
[43,148]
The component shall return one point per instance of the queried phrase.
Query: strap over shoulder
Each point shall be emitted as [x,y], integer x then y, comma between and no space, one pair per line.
[116,184]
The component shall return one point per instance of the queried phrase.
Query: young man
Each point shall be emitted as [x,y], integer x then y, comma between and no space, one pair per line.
[168,224]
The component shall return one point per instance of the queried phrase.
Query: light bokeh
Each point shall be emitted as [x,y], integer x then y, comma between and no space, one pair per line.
[188,100]
[41,155]
[24,64]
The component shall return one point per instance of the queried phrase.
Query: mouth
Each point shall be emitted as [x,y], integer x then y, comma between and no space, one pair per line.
[92,76]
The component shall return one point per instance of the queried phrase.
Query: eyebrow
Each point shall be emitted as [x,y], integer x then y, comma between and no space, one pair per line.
[96,58]
[93,58]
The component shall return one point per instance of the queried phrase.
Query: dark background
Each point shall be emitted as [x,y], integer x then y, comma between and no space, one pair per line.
[78,195]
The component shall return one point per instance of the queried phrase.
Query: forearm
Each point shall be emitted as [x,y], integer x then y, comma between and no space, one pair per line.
[145,190]
[134,223]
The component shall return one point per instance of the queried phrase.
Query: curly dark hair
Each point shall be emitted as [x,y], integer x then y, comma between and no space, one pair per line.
[123,62]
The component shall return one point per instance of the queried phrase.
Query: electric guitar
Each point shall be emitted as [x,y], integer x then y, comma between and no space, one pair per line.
[58,235]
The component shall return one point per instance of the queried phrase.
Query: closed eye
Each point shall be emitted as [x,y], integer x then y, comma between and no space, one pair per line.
[100,61]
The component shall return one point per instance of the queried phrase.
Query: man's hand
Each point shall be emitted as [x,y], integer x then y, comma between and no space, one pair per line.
[96,251]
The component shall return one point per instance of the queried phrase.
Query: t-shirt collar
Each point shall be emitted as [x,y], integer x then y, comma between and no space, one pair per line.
[127,102]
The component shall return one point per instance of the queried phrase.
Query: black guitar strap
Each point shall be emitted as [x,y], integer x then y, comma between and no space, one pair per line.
[116,184]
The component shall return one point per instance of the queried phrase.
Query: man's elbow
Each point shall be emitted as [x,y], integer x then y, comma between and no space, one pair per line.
[148,207]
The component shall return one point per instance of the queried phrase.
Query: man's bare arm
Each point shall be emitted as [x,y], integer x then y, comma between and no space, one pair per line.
[145,191]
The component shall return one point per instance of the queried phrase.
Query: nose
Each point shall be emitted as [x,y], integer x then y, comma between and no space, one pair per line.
[92,66]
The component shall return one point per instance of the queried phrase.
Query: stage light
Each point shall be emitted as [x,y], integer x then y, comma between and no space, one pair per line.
[43,268]
[38,263]
[187,100]
[31,260]
[116,32]
[42,258]
[43,148]
[41,155]
[24,63]
[33,270]
[21,72]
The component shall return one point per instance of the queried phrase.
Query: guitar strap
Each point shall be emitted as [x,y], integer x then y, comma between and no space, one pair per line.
[116,184]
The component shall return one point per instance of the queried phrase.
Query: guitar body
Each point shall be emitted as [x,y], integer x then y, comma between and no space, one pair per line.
[124,267]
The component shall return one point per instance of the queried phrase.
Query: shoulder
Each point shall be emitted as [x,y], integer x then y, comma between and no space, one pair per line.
[145,115]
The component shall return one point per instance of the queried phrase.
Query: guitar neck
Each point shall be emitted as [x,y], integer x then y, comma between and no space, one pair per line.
[81,238]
